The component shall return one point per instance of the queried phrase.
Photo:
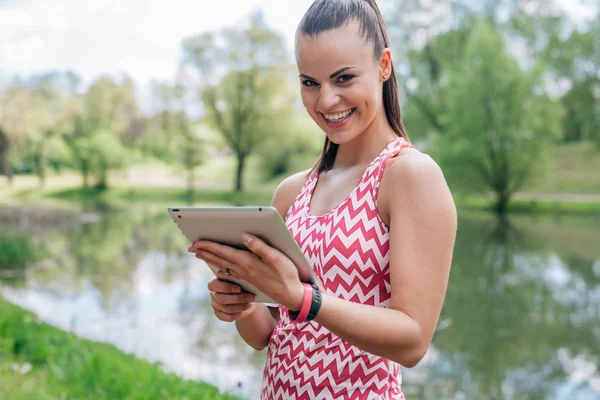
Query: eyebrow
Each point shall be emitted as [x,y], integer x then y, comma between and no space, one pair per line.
[336,73]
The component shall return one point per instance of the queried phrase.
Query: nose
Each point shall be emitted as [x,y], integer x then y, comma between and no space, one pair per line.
[328,98]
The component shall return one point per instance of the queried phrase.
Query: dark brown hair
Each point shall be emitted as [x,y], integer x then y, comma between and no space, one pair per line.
[325,15]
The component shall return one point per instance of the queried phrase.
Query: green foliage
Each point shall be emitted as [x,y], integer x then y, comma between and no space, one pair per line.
[85,370]
[498,126]
[291,143]
[239,101]
[16,251]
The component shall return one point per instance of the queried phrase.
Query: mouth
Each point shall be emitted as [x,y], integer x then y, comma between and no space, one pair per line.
[339,117]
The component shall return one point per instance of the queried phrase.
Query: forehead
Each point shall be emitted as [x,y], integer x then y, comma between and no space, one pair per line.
[333,49]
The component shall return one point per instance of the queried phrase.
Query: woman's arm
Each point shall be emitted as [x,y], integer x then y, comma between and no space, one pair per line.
[256,327]
[423,224]
[422,220]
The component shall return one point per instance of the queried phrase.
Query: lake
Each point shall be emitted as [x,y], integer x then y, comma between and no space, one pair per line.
[521,318]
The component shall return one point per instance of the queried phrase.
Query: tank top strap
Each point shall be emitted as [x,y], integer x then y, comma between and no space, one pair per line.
[391,151]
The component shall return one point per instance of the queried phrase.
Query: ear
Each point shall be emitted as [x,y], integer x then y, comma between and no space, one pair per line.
[385,65]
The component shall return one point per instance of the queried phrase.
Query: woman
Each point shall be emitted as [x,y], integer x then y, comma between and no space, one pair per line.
[374,217]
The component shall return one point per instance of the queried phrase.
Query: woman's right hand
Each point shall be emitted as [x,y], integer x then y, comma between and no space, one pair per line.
[227,301]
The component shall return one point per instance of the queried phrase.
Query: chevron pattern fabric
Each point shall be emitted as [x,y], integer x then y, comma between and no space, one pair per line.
[348,248]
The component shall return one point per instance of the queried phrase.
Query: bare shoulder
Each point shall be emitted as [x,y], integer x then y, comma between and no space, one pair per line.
[413,181]
[287,191]
[412,166]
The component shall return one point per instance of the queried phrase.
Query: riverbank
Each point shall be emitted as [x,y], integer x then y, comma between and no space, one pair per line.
[120,196]
[38,361]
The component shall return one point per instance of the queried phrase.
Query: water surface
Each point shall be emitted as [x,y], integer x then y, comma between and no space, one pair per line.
[521,318]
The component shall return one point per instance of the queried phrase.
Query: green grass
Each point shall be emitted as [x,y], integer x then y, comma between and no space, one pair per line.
[573,171]
[576,169]
[16,251]
[171,196]
[52,364]
[480,203]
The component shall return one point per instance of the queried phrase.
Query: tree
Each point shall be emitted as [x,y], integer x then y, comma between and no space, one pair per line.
[14,101]
[49,116]
[107,119]
[185,141]
[239,73]
[499,121]
[431,35]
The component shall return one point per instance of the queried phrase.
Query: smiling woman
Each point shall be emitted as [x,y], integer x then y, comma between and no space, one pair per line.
[374,217]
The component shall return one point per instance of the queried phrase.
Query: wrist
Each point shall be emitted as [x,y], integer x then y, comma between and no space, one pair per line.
[251,312]
[311,304]
[296,297]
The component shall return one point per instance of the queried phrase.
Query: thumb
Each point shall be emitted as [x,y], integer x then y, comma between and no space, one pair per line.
[268,254]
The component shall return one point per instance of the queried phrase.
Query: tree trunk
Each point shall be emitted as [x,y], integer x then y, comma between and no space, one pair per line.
[501,204]
[42,176]
[4,152]
[190,185]
[239,176]
[40,165]
[102,178]
[85,173]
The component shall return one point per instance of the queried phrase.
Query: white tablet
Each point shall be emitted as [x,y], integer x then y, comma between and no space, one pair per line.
[227,224]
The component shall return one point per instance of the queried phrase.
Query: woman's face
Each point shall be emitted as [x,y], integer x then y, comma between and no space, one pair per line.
[341,82]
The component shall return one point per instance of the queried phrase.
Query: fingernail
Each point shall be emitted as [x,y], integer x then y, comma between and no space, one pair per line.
[249,299]
[237,289]
[192,249]
[247,238]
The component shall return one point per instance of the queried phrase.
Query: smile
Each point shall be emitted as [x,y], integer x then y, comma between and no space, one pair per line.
[339,117]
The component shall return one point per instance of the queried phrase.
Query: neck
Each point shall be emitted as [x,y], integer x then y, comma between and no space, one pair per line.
[365,147]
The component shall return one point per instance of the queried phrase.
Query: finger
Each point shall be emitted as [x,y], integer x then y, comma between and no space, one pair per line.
[219,286]
[235,256]
[219,262]
[226,299]
[223,267]
[227,274]
[227,317]
[266,253]
[230,308]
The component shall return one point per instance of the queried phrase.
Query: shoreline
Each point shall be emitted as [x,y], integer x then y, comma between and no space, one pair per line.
[535,203]
[47,362]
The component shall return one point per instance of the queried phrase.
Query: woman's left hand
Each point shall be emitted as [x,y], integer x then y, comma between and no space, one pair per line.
[265,267]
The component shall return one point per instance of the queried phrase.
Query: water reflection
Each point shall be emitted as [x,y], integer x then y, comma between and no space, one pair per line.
[521,319]
[516,316]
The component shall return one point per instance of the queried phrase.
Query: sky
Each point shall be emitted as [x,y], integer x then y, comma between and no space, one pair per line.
[139,37]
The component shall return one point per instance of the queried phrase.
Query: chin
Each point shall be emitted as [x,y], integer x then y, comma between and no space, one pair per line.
[340,138]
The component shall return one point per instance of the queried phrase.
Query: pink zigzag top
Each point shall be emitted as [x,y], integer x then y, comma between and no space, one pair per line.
[348,248]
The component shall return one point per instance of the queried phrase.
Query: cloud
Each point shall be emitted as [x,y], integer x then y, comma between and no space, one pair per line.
[140,37]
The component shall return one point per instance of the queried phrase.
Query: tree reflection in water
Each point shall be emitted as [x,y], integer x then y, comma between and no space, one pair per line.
[520,321]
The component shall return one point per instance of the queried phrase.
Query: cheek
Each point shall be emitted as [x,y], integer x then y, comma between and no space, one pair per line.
[370,98]
[309,101]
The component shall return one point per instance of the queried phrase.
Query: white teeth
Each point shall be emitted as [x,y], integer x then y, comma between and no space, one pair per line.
[336,117]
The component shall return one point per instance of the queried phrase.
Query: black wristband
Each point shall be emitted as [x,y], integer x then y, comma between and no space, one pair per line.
[315,305]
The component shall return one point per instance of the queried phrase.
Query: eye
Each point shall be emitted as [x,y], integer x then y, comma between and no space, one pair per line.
[345,78]
[309,83]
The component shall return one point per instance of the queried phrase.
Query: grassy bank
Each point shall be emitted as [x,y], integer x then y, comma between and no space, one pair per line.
[562,189]
[528,206]
[119,197]
[574,169]
[38,361]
